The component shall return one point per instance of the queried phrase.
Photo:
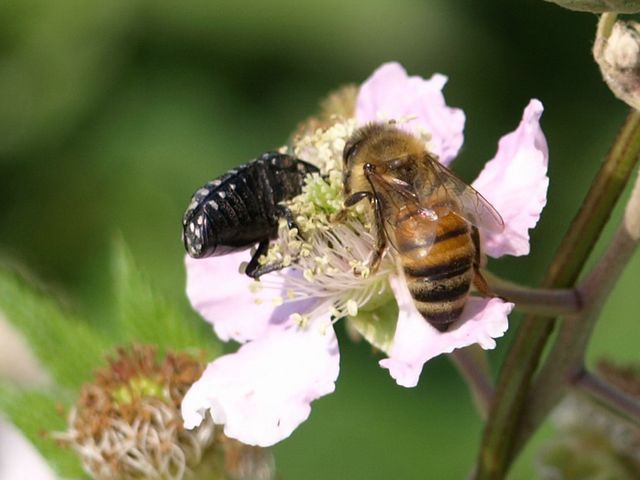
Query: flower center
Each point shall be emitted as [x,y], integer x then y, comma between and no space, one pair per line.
[327,258]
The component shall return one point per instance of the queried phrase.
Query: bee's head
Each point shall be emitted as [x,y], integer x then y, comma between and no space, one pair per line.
[366,145]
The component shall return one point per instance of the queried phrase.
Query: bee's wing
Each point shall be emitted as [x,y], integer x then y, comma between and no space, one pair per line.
[442,187]
[397,204]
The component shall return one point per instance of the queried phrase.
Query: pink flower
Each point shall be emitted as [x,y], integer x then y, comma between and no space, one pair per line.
[289,358]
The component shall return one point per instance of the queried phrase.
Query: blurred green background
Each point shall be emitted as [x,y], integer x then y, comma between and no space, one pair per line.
[113,113]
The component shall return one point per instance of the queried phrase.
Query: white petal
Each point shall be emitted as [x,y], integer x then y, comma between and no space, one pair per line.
[389,93]
[237,306]
[515,182]
[263,392]
[416,341]
[19,458]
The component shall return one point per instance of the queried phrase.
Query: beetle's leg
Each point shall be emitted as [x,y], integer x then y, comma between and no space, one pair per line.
[254,269]
[284,212]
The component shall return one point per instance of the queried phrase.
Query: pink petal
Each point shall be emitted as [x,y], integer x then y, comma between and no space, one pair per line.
[515,182]
[263,392]
[416,341]
[224,297]
[391,94]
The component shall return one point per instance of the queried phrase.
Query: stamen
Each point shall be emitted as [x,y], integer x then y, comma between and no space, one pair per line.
[325,259]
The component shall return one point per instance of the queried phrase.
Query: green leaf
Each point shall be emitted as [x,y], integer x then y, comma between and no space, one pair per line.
[60,340]
[145,316]
[600,6]
[377,326]
[37,415]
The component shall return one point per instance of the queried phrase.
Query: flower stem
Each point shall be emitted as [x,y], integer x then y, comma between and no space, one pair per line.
[541,301]
[565,360]
[474,368]
[608,395]
[498,447]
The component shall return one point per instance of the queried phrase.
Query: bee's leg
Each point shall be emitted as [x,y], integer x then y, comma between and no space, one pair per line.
[381,242]
[350,201]
[254,269]
[481,284]
[478,280]
[341,216]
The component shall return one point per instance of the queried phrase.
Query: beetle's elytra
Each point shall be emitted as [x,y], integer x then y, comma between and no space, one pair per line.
[243,207]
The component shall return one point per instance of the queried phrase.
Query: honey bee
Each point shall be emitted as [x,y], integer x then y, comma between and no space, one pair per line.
[427,214]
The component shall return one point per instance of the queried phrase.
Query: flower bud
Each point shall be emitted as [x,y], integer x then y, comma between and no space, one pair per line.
[338,105]
[592,442]
[619,59]
[600,6]
[246,462]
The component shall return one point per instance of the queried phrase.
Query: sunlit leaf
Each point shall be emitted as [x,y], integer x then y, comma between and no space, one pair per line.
[60,340]
[38,414]
[145,316]
[377,326]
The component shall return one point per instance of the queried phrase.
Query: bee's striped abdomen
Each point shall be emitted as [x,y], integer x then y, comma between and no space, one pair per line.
[439,276]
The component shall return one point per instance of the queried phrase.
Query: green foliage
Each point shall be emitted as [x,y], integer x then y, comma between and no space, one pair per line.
[62,342]
[37,414]
[67,344]
[144,316]
[71,348]
[36,41]
[377,326]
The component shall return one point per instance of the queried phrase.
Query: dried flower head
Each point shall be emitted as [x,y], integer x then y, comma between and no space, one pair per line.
[127,424]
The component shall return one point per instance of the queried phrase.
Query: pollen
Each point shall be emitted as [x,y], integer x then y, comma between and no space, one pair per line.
[298,319]
[325,145]
[352,308]
[323,257]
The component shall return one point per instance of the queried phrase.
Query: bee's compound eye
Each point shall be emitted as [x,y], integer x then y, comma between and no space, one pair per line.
[350,149]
